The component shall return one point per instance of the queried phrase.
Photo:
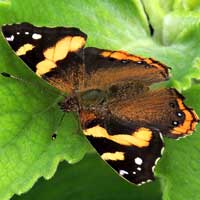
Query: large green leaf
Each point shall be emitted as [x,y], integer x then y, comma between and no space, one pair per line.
[89,179]
[29,110]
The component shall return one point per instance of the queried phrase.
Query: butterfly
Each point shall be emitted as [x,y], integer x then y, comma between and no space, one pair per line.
[110,91]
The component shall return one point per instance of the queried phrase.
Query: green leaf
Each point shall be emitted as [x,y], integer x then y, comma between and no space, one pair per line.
[29,110]
[89,179]
[176,37]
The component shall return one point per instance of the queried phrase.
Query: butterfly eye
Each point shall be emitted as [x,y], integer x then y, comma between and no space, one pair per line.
[125,61]
[175,123]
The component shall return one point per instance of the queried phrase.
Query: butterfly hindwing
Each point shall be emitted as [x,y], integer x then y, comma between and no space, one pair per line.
[163,109]
[55,54]
[131,151]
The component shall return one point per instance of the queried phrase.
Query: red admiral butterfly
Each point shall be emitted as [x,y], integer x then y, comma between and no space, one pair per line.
[120,115]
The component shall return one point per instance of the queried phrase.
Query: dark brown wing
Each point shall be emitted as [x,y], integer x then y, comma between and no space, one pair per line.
[162,109]
[105,67]
[55,54]
[132,151]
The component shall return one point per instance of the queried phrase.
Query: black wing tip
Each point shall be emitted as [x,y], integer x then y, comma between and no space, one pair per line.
[28,26]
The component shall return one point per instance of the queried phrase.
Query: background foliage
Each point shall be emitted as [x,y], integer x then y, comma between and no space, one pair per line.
[29,110]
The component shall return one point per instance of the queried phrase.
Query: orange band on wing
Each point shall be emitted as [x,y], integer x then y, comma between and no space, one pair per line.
[190,122]
[139,138]
[113,156]
[24,49]
[156,64]
[122,55]
[59,52]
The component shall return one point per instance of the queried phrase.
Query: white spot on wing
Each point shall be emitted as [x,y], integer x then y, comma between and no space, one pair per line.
[134,172]
[139,168]
[26,33]
[179,114]
[175,123]
[18,33]
[138,161]
[122,172]
[36,36]
[10,39]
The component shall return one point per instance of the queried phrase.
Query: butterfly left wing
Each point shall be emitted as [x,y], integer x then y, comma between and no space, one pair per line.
[55,54]
[132,151]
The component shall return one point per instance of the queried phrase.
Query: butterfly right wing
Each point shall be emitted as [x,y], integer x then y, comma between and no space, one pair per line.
[163,109]
[131,151]
[106,67]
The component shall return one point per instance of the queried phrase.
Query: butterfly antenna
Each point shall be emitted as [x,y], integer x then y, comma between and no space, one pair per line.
[7,75]
[55,133]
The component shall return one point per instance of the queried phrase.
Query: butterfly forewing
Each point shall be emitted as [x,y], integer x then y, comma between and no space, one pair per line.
[105,67]
[55,54]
